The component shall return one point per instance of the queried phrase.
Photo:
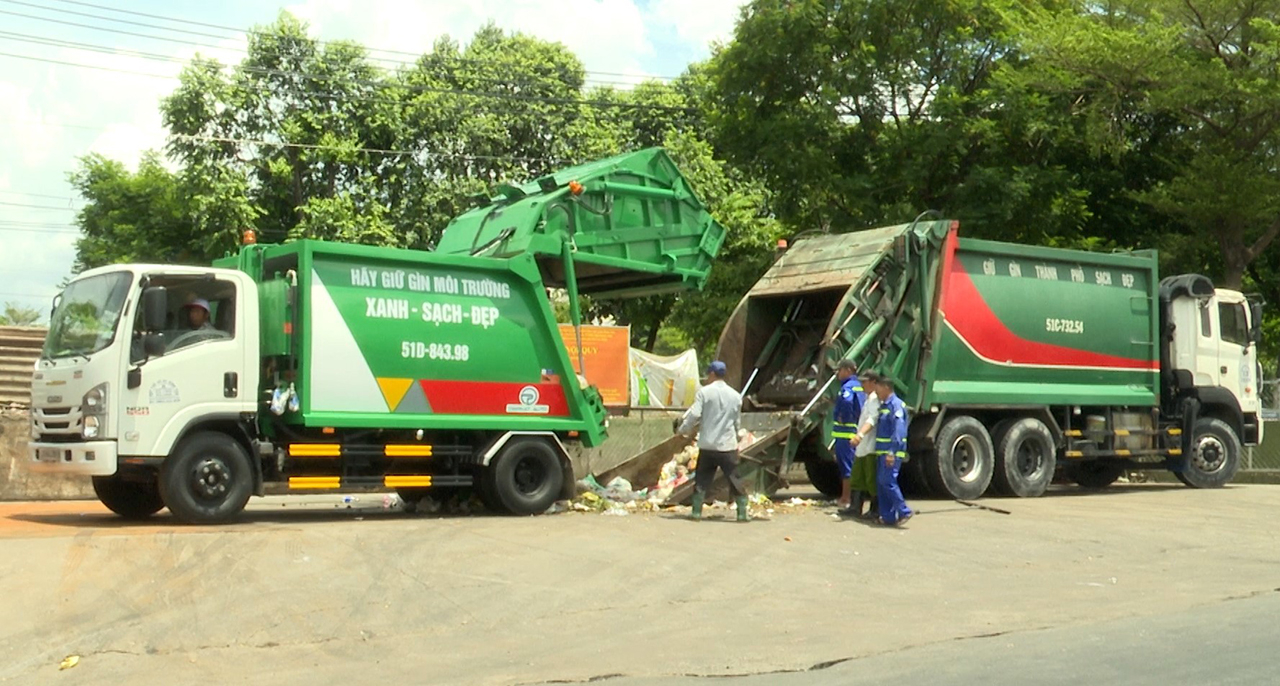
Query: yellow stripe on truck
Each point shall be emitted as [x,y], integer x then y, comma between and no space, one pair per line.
[407,450]
[315,450]
[407,481]
[315,482]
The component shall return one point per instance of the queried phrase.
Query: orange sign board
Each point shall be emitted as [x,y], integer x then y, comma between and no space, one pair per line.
[607,353]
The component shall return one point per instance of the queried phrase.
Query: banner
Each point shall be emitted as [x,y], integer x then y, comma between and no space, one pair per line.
[658,381]
[606,352]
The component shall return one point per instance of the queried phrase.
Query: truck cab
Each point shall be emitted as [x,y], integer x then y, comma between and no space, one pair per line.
[126,372]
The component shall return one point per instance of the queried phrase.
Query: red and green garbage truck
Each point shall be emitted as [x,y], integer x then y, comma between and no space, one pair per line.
[329,367]
[1016,363]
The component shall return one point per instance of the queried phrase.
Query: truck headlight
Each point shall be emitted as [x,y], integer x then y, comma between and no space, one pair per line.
[90,429]
[95,401]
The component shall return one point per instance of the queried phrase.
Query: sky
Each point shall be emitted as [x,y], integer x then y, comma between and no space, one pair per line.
[87,76]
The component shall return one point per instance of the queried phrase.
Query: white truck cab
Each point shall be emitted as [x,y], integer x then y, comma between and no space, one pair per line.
[127,369]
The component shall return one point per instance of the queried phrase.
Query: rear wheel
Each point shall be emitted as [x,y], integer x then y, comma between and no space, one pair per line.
[962,463]
[1215,457]
[129,499]
[207,479]
[1025,458]
[824,476]
[1094,473]
[527,476]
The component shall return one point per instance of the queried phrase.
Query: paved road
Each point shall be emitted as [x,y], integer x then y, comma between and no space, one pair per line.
[1226,642]
[301,592]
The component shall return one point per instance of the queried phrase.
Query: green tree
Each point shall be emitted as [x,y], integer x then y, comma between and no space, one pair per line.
[17,315]
[865,113]
[1211,70]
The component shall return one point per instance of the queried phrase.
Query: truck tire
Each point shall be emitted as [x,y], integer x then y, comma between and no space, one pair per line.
[482,483]
[997,436]
[208,479]
[912,480]
[129,499]
[1094,474]
[1026,458]
[962,464]
[1215,457]
[824,476]
[527,476]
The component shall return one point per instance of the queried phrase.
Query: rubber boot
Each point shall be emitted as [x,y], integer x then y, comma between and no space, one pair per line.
[856,506]
[698,497]
[742,508]
[873,509]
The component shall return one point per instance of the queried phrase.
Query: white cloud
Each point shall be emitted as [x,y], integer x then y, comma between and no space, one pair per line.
[699,22]
[54,114]
[607,35]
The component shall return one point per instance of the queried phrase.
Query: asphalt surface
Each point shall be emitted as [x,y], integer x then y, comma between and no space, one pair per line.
[1138,584]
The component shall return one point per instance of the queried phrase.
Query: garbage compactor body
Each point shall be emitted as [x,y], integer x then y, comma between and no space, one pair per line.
[1016,363]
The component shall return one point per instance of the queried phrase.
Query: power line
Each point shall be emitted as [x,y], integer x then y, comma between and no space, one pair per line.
[38,225]
[77,45]
[318,41]
[37,207]
[375,85]
[86,66]
[44,231]
[26,295]
[188,42]
[37,195]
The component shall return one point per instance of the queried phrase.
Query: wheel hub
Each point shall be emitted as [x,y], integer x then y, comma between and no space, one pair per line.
[963,451]
[1210,454]
[529,475]
[1029,460]
[211,478]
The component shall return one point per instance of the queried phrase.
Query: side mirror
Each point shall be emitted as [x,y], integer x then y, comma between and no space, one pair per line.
[1255,322]
[153,344]
[155,307]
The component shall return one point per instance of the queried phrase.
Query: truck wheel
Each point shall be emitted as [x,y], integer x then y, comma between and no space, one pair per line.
[129,499]
[482,483]
[208,479]
[963,462]
[1216,455]
[527,476]
[1025,459]
[1094,473]
[912,480]
[997,436]
[824,476]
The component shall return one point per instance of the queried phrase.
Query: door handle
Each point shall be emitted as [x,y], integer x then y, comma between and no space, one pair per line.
[231,384]
[1224,370]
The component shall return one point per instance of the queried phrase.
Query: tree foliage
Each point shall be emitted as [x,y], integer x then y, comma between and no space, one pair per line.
[17,315]
[1136,124]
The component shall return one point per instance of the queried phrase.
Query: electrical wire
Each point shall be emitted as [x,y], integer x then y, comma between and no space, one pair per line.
[253,32]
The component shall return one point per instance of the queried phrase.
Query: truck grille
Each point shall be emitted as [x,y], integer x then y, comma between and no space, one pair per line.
[57,424]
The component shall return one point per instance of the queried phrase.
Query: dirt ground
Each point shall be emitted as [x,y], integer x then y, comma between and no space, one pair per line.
[305,590]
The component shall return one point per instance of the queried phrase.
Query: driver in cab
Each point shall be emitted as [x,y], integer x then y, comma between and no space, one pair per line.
[198,315]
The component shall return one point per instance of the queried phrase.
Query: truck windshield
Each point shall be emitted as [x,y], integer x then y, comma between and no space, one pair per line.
[85,319]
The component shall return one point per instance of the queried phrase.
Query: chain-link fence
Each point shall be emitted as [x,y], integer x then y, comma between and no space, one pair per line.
[1265,457]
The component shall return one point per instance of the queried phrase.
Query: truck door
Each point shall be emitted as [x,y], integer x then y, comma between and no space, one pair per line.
[206,370]
[1207,365]
[1237,357]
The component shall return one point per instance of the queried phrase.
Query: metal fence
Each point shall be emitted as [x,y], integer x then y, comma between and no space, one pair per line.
[19,349]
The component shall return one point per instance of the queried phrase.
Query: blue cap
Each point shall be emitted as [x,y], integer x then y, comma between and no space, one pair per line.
[200,303]
[718,368]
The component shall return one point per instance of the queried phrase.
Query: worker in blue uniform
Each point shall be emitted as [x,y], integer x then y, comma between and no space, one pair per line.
[849,402]
[891,451]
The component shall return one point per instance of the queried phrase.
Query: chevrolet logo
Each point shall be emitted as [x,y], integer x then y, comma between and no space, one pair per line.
[55,398]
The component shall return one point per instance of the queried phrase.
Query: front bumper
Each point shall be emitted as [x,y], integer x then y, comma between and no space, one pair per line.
[90,458]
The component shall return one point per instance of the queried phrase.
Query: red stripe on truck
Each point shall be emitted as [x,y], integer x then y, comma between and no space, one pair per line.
[495,398]
[971,318]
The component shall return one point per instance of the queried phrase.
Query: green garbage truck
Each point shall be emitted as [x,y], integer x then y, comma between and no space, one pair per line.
[314,366]
[1017,363]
